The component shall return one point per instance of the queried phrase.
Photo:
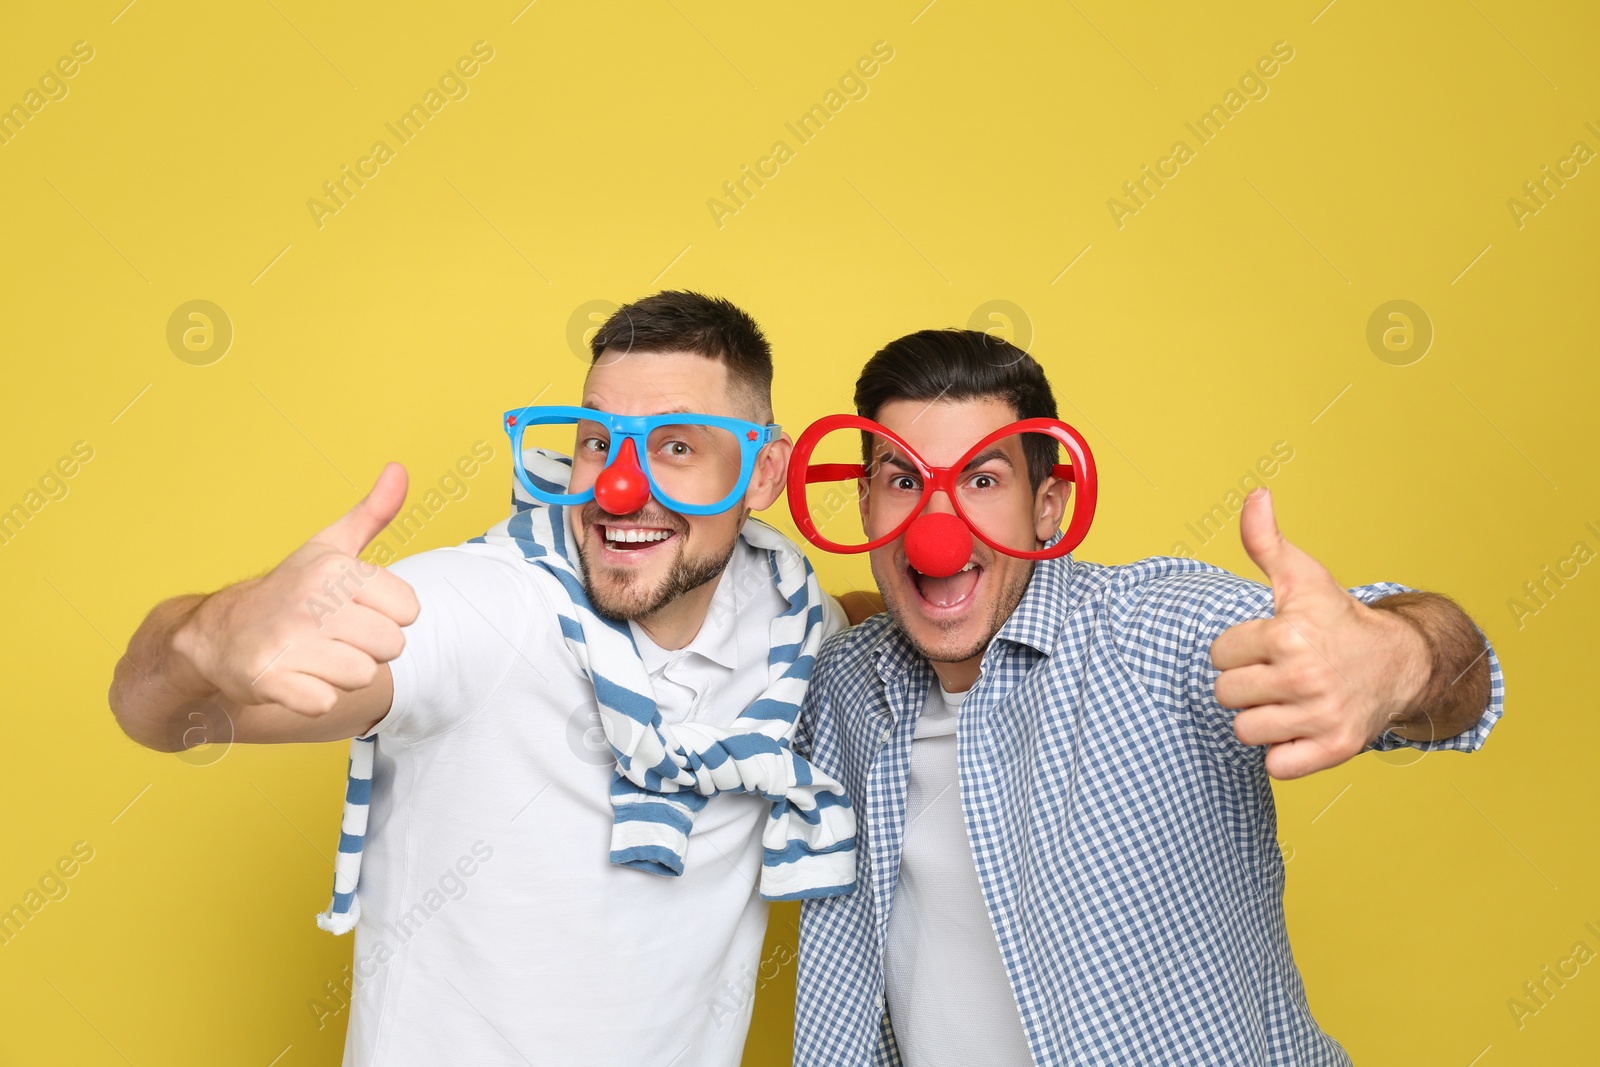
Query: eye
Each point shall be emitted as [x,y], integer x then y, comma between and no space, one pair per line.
[904,482]
[594,445]
[677,449]
[984,481]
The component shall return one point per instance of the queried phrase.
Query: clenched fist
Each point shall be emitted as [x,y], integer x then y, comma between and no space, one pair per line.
[319,623]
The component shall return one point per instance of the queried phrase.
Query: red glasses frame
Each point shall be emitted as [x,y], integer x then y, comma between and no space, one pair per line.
[802,471]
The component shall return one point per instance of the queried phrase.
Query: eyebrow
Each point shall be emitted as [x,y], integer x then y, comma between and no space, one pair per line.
[893,459]
[994,453]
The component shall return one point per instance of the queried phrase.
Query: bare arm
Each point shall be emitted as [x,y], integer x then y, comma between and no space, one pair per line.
[161,700]
[1324,677]
[1456,689]
[299,654]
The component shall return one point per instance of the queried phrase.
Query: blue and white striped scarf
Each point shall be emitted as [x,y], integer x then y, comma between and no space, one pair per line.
[666,773]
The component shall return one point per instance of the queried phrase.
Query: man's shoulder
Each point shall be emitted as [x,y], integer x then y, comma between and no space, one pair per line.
[1157,613]
[468,558]
[847,655]
[845,684]
[1165,584]
[478,574]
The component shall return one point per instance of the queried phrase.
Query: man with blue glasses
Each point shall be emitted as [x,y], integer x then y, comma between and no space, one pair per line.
[571,787]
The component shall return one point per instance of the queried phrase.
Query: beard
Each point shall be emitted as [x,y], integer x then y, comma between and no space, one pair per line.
[946,651]
[626,596]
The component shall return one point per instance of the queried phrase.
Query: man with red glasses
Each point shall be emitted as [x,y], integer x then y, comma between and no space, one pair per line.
[1068,841]
[571,787]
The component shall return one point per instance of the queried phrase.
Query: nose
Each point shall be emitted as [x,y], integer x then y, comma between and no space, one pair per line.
[622,488]
[939,503]
[938,543]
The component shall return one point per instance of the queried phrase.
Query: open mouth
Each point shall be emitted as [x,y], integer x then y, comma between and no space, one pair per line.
[947,596]
[630,539]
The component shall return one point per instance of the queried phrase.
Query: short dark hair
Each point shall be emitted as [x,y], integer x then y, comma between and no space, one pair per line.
[682,321]
[962,365]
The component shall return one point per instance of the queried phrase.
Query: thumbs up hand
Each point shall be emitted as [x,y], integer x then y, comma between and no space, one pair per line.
[1324,676]
[317,624]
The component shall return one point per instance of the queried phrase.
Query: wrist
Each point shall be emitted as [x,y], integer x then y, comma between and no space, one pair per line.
[1416,674]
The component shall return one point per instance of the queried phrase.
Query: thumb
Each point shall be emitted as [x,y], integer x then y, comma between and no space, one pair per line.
[1285,565]
[351,532]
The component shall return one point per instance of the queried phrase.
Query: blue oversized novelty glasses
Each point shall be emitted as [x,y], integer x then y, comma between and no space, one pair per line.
[691,463]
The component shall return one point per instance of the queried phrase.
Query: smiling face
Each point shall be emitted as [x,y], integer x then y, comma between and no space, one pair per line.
[950,621]
[654,565]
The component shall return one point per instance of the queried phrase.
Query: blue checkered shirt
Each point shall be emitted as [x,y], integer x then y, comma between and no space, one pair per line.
[1125,840]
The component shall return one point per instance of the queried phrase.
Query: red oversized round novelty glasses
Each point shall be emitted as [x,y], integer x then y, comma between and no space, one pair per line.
[937,543]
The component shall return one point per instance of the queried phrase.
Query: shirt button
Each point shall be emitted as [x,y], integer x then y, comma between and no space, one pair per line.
[877,1003]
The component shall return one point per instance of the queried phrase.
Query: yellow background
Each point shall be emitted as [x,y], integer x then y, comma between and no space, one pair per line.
[1228,314]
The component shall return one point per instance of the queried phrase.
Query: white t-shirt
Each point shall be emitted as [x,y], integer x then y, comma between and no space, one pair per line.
[950,1001]
[493,929]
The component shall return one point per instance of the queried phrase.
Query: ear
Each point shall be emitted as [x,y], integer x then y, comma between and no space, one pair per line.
[1049,507]
[767,480]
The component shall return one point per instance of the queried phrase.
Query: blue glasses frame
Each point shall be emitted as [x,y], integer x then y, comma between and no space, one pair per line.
[752,438]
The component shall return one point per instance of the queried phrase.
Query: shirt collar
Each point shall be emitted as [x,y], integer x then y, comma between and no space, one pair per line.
[1036,620]
[718,639]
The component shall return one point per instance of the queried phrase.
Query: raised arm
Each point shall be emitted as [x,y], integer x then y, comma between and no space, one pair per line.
[299,654]
[1327,675]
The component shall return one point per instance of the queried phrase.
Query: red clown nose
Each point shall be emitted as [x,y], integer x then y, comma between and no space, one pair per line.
[938,544]
[622,488]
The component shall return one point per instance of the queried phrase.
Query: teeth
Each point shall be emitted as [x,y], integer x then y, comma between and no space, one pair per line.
[970,566]
[612,533]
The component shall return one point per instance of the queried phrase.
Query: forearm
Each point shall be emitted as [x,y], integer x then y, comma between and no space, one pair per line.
[156,694]
[1456,691]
